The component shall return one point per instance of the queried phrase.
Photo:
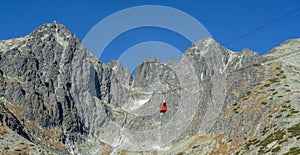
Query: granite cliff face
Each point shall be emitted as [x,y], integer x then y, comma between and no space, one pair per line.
[58,98]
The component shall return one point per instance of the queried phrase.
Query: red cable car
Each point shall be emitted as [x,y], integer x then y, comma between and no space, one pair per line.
[163,107]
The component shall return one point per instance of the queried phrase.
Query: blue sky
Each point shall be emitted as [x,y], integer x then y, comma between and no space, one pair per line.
[224,20]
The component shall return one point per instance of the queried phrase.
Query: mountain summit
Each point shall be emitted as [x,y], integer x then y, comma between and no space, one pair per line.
[58,98]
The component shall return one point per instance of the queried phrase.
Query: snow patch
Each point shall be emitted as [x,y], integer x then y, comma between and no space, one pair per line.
[137,104]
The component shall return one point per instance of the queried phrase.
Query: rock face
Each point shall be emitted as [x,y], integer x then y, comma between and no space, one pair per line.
[57,98]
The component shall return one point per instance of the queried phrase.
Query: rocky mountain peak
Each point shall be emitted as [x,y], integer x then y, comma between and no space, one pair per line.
[208,46]
[53,27]
[150,59]
[205,42]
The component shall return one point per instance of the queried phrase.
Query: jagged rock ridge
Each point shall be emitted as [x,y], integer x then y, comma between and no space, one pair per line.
[57,97]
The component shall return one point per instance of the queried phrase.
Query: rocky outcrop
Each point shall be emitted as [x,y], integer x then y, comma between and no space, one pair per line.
[57,97]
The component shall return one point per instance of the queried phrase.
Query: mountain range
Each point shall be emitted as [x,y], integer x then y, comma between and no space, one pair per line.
[56,97]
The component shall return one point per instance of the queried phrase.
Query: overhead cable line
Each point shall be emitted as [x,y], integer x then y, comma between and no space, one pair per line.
[263,26]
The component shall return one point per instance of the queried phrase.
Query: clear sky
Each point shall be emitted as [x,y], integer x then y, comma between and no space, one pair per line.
[225,21]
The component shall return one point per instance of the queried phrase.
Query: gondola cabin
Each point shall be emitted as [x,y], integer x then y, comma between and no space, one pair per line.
[163,107]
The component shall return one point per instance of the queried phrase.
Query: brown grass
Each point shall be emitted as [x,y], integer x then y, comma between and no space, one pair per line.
[54,132]
[196,139]
[222,148]
[236,94]
[3,130]
[16,110]
[54,144]
[123,152]
[48,105]
[107,149]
